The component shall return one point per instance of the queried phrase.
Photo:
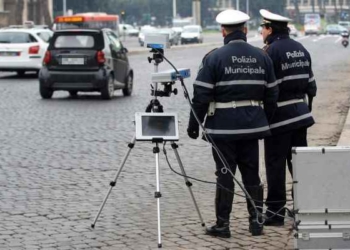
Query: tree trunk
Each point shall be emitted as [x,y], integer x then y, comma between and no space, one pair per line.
[297,12]
[19,12]
[321,7]
[336,14]
[341,6]
[45,11]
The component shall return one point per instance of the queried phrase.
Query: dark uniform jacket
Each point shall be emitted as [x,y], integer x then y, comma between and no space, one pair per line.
[235,72]
[292,63]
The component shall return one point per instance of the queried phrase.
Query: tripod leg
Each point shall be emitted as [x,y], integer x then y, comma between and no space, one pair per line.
[112,183]
[157,194]
[188,183]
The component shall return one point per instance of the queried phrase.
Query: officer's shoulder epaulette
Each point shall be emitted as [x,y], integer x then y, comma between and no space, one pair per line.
[206,55]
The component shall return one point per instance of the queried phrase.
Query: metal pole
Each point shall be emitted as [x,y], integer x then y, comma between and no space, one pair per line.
[64,7]
[237,4]
[158,195]
[174,8]
[247,7]
[196,11]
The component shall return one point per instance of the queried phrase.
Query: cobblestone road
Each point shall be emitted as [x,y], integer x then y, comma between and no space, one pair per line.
[58,156]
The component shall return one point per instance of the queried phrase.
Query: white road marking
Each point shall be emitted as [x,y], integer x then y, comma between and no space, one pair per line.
[254,39]
[320,38]
[301,38]
[338,40]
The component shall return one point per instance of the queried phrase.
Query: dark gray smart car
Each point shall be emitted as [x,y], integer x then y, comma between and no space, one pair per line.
[85,60]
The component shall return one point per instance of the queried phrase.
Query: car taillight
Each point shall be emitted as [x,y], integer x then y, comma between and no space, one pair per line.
[100,56]
[34,49]
[47,57]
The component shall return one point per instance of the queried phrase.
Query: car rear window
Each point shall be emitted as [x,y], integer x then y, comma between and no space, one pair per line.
[75,41]
[16,37]
[45,36]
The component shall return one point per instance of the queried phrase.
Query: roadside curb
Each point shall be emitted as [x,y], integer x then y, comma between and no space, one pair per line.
[344,139]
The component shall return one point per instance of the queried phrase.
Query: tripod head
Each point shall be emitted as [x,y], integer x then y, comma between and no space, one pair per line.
[157,56]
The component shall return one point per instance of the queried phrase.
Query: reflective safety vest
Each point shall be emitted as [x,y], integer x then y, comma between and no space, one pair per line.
[295,79]
[233,81]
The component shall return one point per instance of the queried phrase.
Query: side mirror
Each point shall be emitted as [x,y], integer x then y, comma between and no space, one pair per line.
[125,50]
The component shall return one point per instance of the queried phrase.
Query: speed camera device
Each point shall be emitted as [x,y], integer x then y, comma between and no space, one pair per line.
[157,41]
[170,75]
[156,126]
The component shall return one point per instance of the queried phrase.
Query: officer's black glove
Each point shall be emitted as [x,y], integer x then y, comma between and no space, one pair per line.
[310,103]
[193,127]
[269,111]
[193,132]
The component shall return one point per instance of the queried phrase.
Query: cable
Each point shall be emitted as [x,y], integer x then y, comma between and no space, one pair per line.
[211,182]
[224,188]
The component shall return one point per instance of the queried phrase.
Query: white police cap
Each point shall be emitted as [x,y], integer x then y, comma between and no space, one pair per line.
[231,17]
[270,17]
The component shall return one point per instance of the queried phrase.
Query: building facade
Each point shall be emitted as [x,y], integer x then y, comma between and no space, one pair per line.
[15,12]
[319,6]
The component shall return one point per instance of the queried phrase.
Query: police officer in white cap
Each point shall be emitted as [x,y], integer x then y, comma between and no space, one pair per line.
[292,64]
[231,84]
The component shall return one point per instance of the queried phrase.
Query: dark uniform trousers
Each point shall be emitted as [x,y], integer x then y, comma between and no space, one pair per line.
[277,153]
[245,154]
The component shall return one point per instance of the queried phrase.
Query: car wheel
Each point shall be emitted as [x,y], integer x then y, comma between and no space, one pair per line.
[128,85]
[73,93]
[45,92]
[107,91]
[21,73]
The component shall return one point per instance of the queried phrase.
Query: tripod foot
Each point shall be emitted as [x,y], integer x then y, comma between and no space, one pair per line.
[159,245]
[92,225]
[203,224]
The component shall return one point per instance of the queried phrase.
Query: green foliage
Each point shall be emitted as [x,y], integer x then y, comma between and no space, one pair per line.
[141,11]
[276,6]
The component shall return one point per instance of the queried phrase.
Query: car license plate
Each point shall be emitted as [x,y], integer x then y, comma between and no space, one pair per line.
[72,61]
[9,53]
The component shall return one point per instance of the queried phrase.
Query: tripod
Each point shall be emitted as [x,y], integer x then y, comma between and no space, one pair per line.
[155,107]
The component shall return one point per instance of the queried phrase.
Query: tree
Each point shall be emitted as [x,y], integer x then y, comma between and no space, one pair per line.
[19,11]
[297,12]
[45,11]
[321,7]
[140,10]
[336,14]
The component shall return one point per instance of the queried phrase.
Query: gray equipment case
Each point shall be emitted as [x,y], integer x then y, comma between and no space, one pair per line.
[321,182]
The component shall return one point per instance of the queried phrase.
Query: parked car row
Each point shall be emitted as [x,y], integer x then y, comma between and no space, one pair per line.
[187,34]
[331,29]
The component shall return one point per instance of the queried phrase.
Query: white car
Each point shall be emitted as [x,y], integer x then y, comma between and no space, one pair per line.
[147,29]
[293,30]
[192,34]
[23,50]
[128,30]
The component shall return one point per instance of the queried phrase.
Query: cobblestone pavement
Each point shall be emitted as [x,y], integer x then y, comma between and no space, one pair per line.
[57,158]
